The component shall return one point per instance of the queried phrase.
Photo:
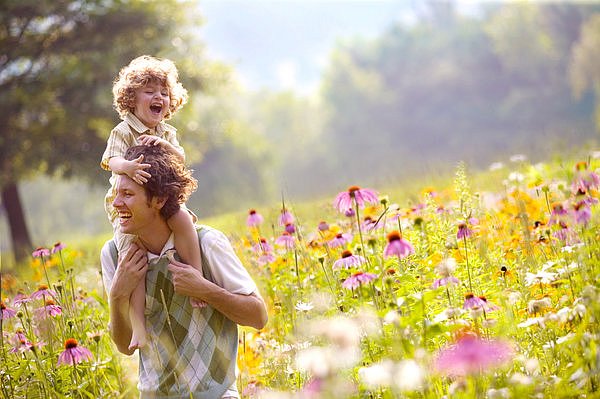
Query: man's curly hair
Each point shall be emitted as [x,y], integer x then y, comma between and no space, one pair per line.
[169,179]
[141,71]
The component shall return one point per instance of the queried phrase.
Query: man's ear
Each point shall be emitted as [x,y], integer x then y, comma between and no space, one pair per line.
[158,202]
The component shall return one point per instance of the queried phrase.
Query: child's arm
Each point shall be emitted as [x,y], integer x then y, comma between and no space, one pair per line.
[186,238]
[147,139]
[134,168]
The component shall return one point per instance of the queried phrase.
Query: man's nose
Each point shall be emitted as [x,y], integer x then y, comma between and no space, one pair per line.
[117,201]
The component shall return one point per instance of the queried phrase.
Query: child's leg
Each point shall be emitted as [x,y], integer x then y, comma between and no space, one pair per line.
[137,301]
[186,242]
[137,305]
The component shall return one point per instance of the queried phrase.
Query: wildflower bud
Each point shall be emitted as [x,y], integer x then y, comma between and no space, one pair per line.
[321,259]
[19,314]
[384,200]
[70,323]
[418,221]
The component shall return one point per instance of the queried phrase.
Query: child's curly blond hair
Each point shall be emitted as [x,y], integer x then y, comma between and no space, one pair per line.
[141,71]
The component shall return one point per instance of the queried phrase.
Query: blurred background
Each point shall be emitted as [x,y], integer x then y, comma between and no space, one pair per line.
[293,98]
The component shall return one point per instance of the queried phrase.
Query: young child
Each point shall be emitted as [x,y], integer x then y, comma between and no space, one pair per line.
[147,92]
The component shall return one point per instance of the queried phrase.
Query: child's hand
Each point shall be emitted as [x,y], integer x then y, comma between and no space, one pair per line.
[147,139]
[135,170]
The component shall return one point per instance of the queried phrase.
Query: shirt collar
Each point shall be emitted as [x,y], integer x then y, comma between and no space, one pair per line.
[170,244]
[137,125]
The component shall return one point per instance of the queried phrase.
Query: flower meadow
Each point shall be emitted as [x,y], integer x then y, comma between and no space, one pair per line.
[54,339]
[456,293]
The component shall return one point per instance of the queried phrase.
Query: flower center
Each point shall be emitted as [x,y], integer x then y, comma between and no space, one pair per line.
[346,254]
[394,236]
[352,190]
[70,343]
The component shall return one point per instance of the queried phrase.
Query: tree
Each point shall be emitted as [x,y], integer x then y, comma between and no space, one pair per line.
[57,62]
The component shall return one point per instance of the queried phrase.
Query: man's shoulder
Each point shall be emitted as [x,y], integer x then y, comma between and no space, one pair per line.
[107,250]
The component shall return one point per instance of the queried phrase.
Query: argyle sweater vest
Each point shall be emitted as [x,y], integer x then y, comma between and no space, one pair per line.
[191,352]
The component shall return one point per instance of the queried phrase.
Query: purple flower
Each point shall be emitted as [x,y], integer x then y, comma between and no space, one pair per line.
[584,179]
[20,298]
[566,234]
[254,218]
[59,246]
[5,312]
[349,213]
[348,260]
[472,355]
[290,228]
[286,240]
[559,214]
[43,291]
[471,301]
[262,246]
[286,217]
[357,279]
[323,226]
[340,240]
[49,309]
[440,282]
[583,213]
[397,246]
[39,252]
[266,258]
[463,231]
[74,354]
[345,200]
[369,224]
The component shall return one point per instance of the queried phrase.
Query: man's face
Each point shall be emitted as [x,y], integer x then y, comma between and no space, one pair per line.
[137,215]
[152,103]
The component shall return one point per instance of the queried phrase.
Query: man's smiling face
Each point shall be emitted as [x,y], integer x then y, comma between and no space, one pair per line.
[137,214]
[152,103]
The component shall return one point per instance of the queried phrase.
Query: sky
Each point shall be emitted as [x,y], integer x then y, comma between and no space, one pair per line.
[285,44]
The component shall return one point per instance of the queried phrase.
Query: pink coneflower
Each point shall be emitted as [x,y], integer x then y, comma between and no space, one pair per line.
[286,217]
[463,231]
[584,179]
[255,219]
[290,228]
[43,291]
[262,246]
[357,279]
[471,301]
[472,355]
[49,309]
[20,298]
[440,282]
[286,240]
[369,224]
[583,213]
[74,354]
[558,214]
[347,261]
[349,213]
[340,240]
[323,226]
[39,252]
[6,312]
[266,258]
[346,199]
[487,305]
[566,234]
[59,246]
[397,246]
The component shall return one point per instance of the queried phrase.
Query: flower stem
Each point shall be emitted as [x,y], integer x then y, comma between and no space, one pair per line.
[468,266]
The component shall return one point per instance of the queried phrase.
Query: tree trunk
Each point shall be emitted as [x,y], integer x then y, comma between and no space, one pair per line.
[21,242]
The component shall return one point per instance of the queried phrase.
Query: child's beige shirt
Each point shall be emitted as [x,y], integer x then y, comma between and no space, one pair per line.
[123,136]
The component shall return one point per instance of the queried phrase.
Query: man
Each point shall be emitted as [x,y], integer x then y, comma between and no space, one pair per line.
[191,352]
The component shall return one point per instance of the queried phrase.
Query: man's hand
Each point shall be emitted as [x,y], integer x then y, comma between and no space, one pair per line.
[136,170]
[187,280]
[131,269]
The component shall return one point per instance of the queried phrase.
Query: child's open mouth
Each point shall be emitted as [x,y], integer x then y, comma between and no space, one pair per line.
[155,109]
